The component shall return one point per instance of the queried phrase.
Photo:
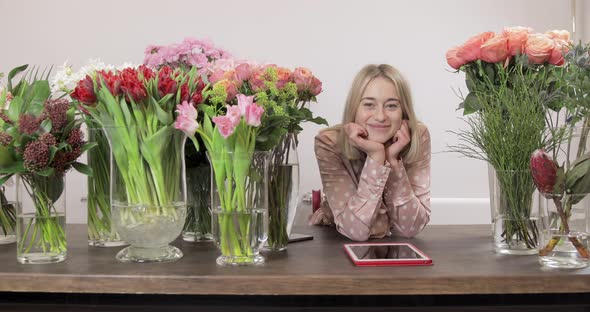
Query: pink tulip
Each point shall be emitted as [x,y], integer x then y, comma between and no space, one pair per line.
[517,38]
[254,114]
[186,120]
[495,50]
[470,50]
[538,48]
[453,60]
[233,113]
[243,102]
[224,125]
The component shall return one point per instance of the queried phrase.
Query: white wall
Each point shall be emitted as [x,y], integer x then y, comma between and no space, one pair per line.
[334,38]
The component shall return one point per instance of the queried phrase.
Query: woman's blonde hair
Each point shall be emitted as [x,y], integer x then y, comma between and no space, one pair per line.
[353,100]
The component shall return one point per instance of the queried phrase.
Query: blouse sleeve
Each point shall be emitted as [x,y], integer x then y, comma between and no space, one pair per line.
[354,208]
[407,192]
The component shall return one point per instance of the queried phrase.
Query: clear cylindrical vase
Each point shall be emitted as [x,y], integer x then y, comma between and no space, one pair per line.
[283,192]
[101,232]
[148,192]
[240,205]
[197,226]
[515,212]
[8,212]
[41,218]
[564,236]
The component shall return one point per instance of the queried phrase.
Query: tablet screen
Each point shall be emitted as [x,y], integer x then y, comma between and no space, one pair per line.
[384,252]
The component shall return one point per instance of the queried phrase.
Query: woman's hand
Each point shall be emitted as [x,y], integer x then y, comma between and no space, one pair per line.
[399,141]
[357,136]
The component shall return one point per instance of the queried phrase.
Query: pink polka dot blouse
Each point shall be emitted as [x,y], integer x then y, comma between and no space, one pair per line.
[366,199]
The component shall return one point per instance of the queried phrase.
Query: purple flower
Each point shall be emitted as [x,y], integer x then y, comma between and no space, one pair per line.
[28,124]
[5,138]
[76,138]
[56,111]
[36,156]
[48,139]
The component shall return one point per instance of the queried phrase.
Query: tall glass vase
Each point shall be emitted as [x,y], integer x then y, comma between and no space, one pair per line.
[8,212]
[197,226]
[148,192]
[101,232]
[240,205]
[515,212]
[41,218]
[283,192]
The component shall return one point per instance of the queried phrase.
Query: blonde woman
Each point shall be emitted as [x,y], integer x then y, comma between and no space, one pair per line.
[375,166]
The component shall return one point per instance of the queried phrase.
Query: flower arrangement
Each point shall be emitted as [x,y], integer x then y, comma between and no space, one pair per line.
[100,229]
[135,106]
[285,95]
[511,78]
[41,140]
[230,140]
[189,53]
[568,183]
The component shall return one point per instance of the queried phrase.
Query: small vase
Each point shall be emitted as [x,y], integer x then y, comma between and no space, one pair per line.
[283,192]
[565,235]
[514,212]
[101,232]
[240,206]
[41,218]
[197,226]
[8,212]
[148,192]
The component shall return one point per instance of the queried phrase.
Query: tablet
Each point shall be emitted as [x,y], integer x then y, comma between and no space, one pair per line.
[386,254]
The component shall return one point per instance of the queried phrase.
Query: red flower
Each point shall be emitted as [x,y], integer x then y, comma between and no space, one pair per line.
[146,72]
[84,91]
[131,86]
[184,93]
[544,171]
[166,84]
[111,80]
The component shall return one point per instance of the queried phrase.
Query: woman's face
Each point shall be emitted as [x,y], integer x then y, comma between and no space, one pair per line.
[380,110]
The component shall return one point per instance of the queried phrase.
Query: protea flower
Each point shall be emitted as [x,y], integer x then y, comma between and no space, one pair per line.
[544,171]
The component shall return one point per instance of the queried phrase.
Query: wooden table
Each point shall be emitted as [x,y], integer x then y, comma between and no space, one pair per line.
[310,275]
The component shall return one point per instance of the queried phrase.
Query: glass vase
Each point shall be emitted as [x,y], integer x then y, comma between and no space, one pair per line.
[283,192]
[148,192]
[8,212]
[564,236]
[564,241]
[101,232]
[197,226]
[240,205]
[515,212]
[41,218]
